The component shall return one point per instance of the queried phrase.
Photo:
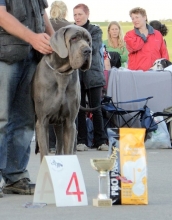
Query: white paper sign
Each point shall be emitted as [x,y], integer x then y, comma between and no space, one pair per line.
[60,181]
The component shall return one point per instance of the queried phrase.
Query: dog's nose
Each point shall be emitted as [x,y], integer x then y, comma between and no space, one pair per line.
[86,51]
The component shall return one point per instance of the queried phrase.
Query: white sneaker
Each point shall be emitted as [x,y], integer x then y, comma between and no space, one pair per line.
[81,147]
[103,147]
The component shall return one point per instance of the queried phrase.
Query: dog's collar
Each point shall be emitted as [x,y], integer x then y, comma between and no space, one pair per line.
[64,74]
[49,65]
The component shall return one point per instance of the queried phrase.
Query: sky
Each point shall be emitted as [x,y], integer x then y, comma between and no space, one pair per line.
[109,10]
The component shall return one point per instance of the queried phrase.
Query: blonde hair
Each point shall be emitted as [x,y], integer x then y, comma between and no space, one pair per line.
[58,10]
[121,42]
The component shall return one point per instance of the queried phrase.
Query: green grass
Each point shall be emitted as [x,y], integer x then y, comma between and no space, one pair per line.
[126,26]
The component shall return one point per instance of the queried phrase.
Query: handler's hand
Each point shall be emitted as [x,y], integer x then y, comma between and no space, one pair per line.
[41,43]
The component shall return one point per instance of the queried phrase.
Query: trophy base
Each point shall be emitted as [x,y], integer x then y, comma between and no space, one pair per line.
[102,202]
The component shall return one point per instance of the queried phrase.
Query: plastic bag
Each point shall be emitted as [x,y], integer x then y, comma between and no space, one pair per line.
[159,138]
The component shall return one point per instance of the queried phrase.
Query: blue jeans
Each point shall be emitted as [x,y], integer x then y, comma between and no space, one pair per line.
[17,118]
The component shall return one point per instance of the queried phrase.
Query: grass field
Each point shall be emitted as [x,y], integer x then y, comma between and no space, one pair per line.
[126,26]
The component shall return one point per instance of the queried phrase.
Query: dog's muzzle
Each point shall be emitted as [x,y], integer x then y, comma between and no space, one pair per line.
[86,52]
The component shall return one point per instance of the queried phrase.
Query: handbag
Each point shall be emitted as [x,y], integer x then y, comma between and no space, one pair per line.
[115,59]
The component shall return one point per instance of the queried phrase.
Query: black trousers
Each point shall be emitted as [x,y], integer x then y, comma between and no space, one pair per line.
[94,100]
[52,137]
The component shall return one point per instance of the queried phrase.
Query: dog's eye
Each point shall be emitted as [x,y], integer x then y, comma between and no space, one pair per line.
[73,38]
[88,41]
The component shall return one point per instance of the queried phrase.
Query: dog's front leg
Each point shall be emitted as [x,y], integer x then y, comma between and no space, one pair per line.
[42,135]
[59,138]
[69,133]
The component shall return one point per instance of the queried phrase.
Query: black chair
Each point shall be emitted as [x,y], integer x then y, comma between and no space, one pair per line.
[169,121]
[143,115]
[150,126]
[124,117]
[151,123]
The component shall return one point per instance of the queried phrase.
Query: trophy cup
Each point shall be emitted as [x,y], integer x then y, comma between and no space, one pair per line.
[102,165]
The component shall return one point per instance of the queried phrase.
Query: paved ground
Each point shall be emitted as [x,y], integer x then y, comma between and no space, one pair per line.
[159,191]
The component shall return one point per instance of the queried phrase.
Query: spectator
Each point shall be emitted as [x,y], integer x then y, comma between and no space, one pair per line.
[21,29]
[58,13]
[145,45]
[91,83]
[115,42]
[162,28]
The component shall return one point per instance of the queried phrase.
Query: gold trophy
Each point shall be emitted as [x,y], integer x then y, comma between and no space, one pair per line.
[103,166]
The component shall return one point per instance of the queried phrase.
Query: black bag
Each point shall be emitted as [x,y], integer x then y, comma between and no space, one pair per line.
[115,59]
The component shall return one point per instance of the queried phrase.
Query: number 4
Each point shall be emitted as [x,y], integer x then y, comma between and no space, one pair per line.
[78,192]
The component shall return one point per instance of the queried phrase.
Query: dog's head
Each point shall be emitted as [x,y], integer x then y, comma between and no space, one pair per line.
[75,43]
[160,64]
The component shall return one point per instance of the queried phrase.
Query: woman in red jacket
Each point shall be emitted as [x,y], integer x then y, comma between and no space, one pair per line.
[144,44]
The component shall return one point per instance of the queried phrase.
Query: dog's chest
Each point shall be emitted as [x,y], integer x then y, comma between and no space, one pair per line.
[66,98]
[63,108]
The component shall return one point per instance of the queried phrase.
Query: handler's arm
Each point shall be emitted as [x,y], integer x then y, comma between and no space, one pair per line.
[48,26]
[9,23]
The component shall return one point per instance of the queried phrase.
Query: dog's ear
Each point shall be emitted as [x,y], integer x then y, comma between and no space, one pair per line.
[165,63]
[58,44]
[168,63]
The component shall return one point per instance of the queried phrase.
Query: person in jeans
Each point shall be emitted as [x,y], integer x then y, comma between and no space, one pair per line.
[24,29]
[92,82]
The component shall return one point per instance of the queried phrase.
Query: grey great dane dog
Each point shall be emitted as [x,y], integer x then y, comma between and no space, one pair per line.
[56,88]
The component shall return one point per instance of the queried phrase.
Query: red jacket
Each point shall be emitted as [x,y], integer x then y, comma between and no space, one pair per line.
[144,51]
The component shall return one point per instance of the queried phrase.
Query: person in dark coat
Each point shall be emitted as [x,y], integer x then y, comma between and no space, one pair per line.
[58,14]
[92,82]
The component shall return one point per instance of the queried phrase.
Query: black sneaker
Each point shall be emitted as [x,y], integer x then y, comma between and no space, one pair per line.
[1,193]
[22,187]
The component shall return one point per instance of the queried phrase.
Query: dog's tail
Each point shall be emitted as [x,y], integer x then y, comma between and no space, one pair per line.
[89,109]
